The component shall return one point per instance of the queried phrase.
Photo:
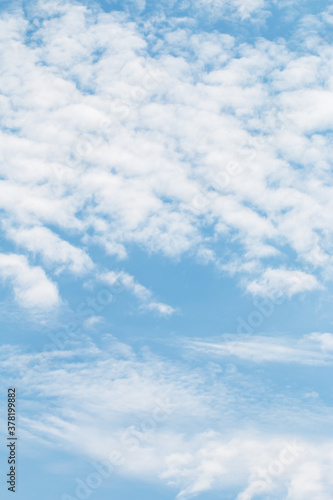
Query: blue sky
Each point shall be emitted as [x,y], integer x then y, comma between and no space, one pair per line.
[166,236]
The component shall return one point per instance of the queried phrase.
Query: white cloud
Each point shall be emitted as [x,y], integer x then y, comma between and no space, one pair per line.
[163,309]
[32,288]
[90,323]
[198,145]
[313,349]
[325,340]
[52,248]
[244,9]
[274,281]
[125,280]
[195,151]
[165,423]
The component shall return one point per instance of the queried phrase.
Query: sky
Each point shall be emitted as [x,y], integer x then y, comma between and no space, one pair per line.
[166,248]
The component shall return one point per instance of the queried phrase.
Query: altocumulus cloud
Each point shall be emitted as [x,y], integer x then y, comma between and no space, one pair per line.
[121,136]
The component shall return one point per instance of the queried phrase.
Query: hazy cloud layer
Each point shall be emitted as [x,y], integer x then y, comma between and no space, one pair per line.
[161,421]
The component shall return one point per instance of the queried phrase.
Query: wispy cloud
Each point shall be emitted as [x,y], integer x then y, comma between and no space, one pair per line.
[163,419]
[145,296]
[313,349]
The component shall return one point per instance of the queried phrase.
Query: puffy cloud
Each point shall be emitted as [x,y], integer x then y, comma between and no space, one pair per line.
[32,288]
[163,309]
[174,150]
[288,282]
[41,240]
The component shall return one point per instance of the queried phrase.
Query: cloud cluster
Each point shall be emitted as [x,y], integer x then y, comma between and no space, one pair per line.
[169,140]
